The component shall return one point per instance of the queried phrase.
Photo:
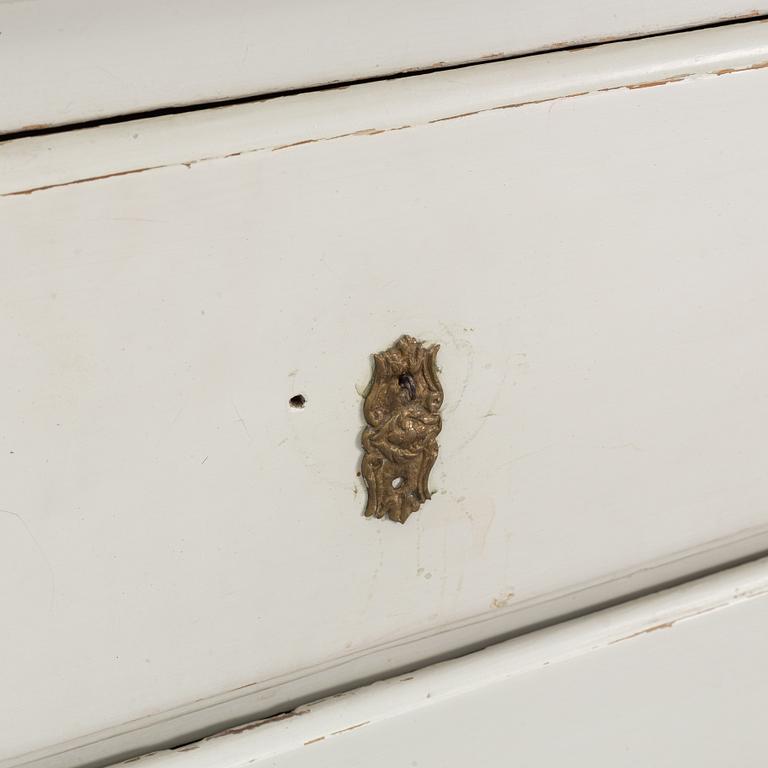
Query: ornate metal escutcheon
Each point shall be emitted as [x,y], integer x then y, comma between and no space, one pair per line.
[402,409]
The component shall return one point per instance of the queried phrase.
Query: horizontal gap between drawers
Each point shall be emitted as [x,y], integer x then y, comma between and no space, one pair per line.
[137,739]
[188,108]
[381,109]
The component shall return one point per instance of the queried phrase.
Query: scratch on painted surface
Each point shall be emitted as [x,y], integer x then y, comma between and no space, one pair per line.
[483,420]
[376,571]
[39,548]
[241,421]
[377,131]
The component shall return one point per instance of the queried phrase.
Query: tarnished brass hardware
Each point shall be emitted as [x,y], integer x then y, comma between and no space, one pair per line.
[402,409]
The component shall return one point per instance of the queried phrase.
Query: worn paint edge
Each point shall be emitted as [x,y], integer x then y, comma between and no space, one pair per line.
[636,620]
[93,741]
[563,45]
[367,132]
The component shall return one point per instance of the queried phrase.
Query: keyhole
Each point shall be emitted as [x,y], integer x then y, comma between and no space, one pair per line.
[407,383]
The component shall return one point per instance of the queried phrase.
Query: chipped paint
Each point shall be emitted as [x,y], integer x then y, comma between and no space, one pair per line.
[503,600]
[655,83]
[85,180]
[741,16]
[361,132]
[456,117]
[258,723]
[35,127]
[295,144]
[759,65]
[647,631]
[351,728]
[514,105]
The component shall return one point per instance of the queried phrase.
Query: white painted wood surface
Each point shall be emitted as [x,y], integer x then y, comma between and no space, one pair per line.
[65,61]
[674,679]
[226,132]
[195,546]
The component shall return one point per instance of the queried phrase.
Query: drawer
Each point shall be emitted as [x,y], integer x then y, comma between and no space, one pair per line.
[580,232]
[68,61]
[629,686]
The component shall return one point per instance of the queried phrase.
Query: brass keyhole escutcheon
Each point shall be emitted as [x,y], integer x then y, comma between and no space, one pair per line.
[402,409]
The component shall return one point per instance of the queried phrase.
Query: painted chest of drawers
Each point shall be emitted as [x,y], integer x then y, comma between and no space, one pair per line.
[191,299]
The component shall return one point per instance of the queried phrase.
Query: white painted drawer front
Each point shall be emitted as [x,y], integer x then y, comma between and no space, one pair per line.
[180,548]
[66,61]
[675,679]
